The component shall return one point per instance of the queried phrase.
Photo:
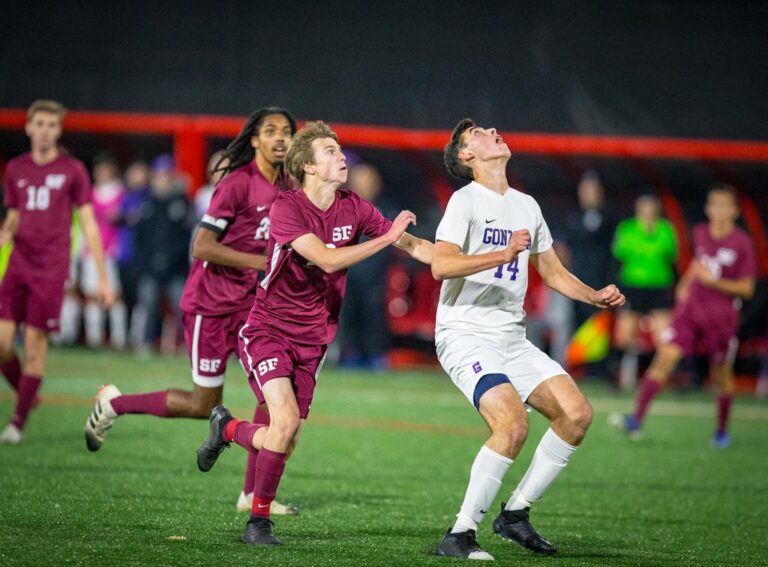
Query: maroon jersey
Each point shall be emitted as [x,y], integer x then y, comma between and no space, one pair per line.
[45,196]
[732,257]
[239,212]
[296,299]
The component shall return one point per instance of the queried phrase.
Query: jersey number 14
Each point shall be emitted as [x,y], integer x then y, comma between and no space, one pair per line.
[511,267]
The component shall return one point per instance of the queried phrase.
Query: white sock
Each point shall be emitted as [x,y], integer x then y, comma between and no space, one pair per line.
[549,460]
[94,324]
[69,320]
[118,331]
[484,483]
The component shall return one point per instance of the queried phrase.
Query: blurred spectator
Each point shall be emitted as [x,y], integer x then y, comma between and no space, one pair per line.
[646,247]
[204,194]
[549,314]
[362,336]
[589,234]
[137,193]
[108,193]
[162,235]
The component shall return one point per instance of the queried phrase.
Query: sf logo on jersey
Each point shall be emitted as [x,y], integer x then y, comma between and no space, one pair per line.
[342,233]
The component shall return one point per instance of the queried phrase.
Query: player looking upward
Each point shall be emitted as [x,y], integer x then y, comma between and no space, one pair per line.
[314,235]
[708,297]
[487,236]
[229,251]
[42,188]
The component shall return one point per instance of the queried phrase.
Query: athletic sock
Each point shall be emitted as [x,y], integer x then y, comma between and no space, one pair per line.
[485,478]
[269,470]
[12,372]
[261,416]
[645,394]
[151,403]
[118,325]
[548,462]
[724,402]
[28,386]
[94,324]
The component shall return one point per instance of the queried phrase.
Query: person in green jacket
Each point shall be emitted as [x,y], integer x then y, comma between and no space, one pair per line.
[646,247]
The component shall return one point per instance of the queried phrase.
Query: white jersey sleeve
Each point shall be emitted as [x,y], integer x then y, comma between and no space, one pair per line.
[454,226]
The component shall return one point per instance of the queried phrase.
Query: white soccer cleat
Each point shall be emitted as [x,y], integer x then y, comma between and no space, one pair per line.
[102,417]
[245,503]
[11,435]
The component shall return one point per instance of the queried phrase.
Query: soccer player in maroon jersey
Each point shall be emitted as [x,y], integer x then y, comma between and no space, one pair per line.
[229,251]
[707,312]
[42,189]
[314,238]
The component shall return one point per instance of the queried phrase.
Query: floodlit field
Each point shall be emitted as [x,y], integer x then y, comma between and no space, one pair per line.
[379,474]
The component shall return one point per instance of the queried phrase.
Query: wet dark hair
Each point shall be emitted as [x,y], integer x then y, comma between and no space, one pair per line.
[455,166]
[240,151]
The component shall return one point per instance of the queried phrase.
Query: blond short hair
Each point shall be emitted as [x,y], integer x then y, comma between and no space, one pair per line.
[45,105]
[300,153]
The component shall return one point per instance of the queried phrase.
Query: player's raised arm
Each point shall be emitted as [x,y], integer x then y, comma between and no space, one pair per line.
[558,278]
[449,262]
[206,247]
[93,238]
[10,226]
[332,260]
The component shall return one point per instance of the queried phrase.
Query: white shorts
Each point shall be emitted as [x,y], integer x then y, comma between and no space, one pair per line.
[468,357]
[89,276]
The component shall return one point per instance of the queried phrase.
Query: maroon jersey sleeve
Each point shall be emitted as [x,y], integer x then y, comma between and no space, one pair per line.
[10,191]
[223,208]
[747,261]
[372,223]
[286,221]
[82,193]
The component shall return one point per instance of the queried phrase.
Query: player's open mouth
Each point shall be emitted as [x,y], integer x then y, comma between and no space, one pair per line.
[279,150]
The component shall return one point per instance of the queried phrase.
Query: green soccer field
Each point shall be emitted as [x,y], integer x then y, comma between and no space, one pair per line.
[379,474]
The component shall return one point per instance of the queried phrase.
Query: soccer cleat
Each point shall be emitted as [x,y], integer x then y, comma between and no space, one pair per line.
[721,440]
[209,451]
[514,525]
[245,504]
[11,435]
[626,423]
[462,545]
[102,417]
[258,531]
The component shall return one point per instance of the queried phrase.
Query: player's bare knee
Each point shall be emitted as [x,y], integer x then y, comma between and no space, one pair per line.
[285,425]
[581,418]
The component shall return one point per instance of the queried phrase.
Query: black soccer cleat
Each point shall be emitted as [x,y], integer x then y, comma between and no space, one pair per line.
[214,444]
[258,531]
[462,545]
[514,525]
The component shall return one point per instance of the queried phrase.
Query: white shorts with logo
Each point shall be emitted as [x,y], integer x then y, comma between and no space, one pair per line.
[467,357]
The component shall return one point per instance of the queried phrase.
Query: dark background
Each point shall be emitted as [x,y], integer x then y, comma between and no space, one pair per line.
[657,68]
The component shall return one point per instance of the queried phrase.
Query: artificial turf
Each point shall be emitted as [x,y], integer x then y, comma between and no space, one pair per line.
[379,473]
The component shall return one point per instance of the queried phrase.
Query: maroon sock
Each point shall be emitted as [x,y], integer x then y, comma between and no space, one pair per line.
[269,470]
[645,394]
[12,372]
[152,403]
[260,416]
[28,386]
[244,432]
[723,412]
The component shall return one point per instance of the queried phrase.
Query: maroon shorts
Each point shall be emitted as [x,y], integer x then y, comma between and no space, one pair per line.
[210,340]
[33,301]
[713,331]
[265,357]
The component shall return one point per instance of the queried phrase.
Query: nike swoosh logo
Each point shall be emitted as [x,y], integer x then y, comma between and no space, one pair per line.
[262,505]
[483,511]
[489,221]
[259,209]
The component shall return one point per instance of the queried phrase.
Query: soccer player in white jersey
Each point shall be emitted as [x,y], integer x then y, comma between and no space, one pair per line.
[487,236]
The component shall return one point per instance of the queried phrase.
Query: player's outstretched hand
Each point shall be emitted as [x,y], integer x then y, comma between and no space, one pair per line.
[609,296]
[518,242]
[400,225]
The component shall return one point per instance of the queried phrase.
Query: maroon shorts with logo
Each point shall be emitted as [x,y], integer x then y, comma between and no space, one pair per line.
[266,356]
[34,301]
[712,330]
[210,340]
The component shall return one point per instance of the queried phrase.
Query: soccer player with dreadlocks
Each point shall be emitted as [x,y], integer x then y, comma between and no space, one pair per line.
[229,251]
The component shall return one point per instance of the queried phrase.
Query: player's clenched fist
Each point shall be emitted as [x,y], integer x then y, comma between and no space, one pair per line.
[400,224]
[609,296]
[519,241]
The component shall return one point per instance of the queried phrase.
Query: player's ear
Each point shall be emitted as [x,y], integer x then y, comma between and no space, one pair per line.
[255,142]
[310,168]
[465,154]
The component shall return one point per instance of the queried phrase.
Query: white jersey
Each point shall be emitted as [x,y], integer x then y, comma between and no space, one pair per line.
[479,220]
